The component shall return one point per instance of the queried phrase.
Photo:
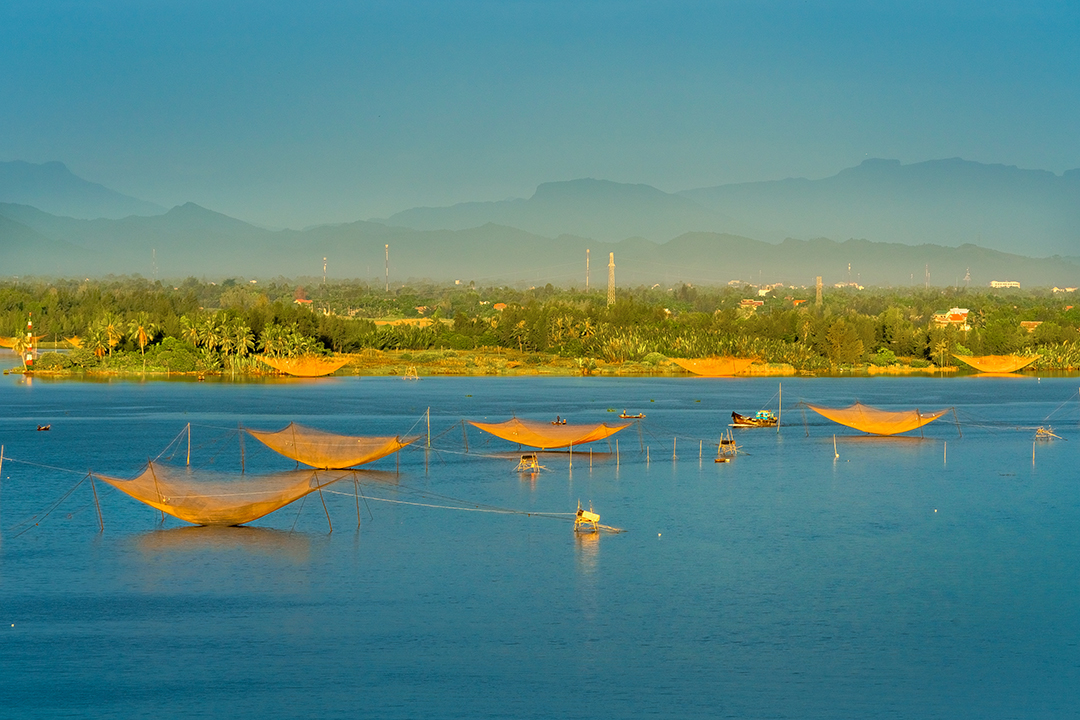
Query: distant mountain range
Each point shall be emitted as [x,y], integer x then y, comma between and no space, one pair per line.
[950,216]
[53,188]
[191,240]
[945,202]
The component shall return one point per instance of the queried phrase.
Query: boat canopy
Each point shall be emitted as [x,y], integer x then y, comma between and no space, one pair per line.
[321,449]
[306,366]
[878,422]
[997,363]
[545,435]
[714,366]
[206,498]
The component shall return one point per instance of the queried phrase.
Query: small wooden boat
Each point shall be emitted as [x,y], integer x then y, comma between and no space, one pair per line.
[558,420]
[43,428]
[764,418]
[530,464]
[1046,433]
[625,416]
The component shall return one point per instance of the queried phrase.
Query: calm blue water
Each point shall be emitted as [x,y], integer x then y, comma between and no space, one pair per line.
[787,584]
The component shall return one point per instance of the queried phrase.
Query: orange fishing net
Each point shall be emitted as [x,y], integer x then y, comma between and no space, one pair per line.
[878,422]
[328,450]
[714,367]
[216,499]
[997,363]
[9,342]
[307,366]
[547,435]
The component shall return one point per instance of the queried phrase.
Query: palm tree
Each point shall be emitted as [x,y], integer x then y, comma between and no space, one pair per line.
[96,339]
[210,332]
[243,339]
[142,331]
[273,339]
[112,326]
[21,345]
[189,329]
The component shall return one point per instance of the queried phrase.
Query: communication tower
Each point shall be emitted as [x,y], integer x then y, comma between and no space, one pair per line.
[611,279]
[817,298]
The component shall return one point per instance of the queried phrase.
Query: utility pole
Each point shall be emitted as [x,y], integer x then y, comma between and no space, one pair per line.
[611,279]
[387,267]
[926,279]
[324,271]
[586,270]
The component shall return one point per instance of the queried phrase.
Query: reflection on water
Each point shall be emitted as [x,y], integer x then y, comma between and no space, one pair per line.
[291,546]
[588,551]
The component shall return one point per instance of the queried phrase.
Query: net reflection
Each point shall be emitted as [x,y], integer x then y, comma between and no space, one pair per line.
[203,540]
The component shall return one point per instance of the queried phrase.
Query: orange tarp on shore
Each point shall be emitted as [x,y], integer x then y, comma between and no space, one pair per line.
[308,366]
[715,366]
[321,449]
[545,435]
[997,363]
[214,499]
[878,422]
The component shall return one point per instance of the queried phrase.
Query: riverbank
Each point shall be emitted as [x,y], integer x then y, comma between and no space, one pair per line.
[503,362]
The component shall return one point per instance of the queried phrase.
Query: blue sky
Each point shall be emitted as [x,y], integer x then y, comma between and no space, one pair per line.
[298,113]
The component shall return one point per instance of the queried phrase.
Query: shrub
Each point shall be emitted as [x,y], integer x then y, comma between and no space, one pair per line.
[52,361]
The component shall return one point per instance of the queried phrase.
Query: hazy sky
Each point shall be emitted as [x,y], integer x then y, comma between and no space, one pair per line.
[293,113]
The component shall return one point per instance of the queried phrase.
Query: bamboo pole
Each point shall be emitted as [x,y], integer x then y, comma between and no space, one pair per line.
[465,435]
[674,447]
[616,453]
[318,484]
[429,427]
[780,408]
[101,522]
[189,443]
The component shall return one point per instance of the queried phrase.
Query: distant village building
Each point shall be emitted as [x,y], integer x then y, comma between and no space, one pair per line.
[751,303]
[1004,284]
[957,317]
[302,302]
[1064,290]
[1030,325]
[854,285]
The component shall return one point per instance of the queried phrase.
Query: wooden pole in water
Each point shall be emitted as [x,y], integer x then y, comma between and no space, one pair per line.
[700,446]
[1032,453]
[429,427]
[945,460]
[101,522]
[590,457]
[318,484]
[646,454]
[571,456]
[465,435]
[835,453]
[356,494]
[1,465]
[616,452]
[674,447]
[780,408]
[240,435]
[189,443]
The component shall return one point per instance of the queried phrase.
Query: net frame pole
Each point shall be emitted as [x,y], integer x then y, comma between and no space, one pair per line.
[157,489]
[465,435]
[356,494]
[428,414]
[93,488]
[189,444]
[780,408]
[1,465]
[318,485]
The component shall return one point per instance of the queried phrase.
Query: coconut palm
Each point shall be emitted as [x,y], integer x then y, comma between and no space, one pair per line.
[96,340]
[189,329]
[113,327]
[21,345]
[142,331]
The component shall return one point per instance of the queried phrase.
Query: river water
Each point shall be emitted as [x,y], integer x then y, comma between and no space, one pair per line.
[930,577]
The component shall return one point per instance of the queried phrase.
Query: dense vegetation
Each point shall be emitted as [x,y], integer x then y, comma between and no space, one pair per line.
[207,326]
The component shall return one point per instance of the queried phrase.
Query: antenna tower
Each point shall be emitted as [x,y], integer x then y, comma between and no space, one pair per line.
[611,279]
[324,271]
